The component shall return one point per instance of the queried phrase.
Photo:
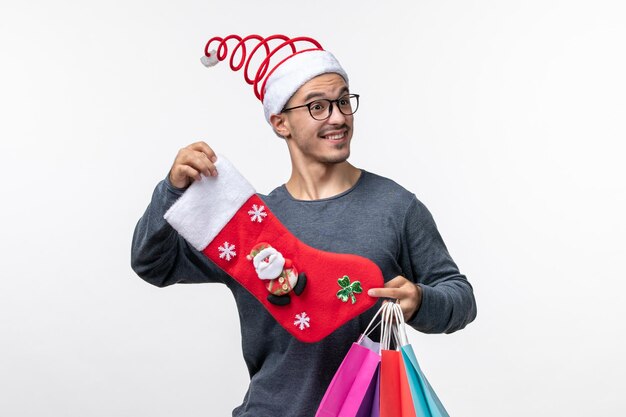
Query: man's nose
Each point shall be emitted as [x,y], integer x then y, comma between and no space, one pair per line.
[336,117]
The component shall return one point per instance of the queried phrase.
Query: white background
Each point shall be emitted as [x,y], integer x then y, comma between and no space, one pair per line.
[506,118]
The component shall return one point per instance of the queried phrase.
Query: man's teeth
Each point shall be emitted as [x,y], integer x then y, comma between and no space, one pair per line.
[334,137]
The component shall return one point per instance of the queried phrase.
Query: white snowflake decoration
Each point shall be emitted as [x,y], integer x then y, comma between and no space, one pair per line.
[302,321]
[227,251]
[257,213]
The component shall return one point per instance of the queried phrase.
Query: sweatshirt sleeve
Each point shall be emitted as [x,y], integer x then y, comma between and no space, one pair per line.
[159,255]
[448,302]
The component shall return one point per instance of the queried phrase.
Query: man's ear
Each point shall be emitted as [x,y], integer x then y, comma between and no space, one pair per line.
[279,124]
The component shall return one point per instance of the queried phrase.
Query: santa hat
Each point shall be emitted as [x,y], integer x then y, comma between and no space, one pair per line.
[279,65]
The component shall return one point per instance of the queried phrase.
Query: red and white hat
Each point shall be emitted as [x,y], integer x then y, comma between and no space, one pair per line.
[275,66]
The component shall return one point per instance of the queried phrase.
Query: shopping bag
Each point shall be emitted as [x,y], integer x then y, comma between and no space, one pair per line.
[370,406]
[350,384]
[427,404]
[395,393]
[425,401]
[352,391]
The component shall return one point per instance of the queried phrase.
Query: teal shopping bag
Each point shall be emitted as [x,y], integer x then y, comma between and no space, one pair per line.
[425,401]
[427,404]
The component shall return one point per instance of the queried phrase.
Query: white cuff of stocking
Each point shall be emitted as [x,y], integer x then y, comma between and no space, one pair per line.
[209,204]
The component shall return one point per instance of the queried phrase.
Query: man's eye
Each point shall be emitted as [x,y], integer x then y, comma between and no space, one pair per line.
[317,106]
[344,102]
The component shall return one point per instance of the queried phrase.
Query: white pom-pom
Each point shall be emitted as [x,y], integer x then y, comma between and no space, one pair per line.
[211,60]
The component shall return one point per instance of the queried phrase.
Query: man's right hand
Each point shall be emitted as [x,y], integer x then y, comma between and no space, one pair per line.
[191,161]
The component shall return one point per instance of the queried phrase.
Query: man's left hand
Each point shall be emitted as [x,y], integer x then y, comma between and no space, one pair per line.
[406,292]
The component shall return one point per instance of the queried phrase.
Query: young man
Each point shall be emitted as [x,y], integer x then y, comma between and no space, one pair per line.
[330,205]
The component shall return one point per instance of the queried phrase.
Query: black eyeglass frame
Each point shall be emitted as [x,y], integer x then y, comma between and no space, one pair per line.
[330,106]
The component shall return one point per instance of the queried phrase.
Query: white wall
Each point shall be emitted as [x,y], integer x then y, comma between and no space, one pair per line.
[506,118]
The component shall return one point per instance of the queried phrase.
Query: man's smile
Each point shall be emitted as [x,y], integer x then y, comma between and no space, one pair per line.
[335,135]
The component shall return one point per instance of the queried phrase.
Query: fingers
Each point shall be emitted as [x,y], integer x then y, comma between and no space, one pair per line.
[406,292]
[387,293]
[205,149]
[398,287]
[192,161]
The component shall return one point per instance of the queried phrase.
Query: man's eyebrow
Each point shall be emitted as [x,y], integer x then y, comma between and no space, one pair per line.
[316,94]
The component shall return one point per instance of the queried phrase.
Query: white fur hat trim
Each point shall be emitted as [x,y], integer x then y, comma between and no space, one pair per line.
[293,73]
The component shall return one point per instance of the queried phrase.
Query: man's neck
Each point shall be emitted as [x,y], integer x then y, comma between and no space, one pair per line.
[315,182]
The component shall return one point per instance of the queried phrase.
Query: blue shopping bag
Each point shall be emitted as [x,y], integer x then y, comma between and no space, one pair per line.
[427,404]
[425,401]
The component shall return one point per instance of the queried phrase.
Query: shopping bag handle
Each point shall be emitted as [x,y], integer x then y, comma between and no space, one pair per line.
[388,326]
[384,316]
[393,327]
[368,331]
[400,327]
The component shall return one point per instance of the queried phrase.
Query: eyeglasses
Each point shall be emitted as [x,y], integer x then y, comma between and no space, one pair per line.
[322,109]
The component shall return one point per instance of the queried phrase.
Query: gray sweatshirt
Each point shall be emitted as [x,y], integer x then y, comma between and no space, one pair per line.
[377,219]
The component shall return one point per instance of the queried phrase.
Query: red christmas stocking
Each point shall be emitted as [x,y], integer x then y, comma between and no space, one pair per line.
[309,292]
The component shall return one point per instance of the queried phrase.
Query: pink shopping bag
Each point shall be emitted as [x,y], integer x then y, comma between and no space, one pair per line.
[352,387]
[370,406]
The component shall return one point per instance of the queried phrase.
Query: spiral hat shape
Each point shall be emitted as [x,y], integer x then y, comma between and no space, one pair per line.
[275,66]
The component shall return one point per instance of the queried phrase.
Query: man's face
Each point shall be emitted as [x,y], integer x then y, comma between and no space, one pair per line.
[323,141]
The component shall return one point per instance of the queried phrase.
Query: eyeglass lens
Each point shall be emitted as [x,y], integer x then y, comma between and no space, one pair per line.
[320,109]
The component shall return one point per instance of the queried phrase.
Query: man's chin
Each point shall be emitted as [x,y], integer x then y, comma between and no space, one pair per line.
[336,159]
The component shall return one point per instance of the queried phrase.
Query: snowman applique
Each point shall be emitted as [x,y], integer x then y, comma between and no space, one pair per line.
[280,274]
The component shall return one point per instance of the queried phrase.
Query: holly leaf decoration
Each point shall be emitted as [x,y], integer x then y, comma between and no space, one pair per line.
[348,289]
